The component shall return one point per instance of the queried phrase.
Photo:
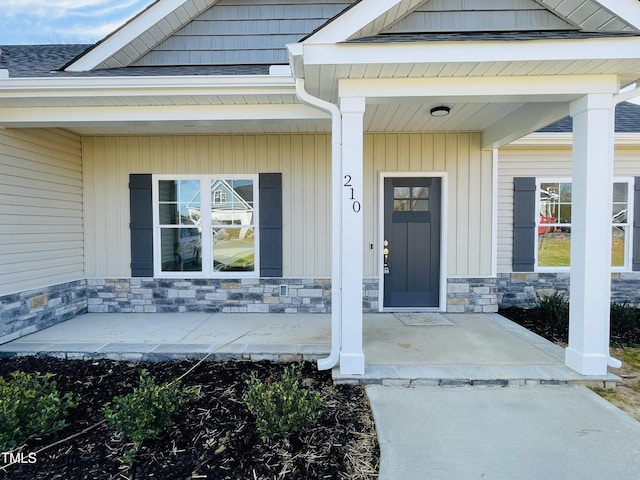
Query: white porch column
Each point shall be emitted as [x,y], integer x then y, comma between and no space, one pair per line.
[593,121]
[352,355]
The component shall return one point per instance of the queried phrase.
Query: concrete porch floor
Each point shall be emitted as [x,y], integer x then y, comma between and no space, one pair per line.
[475,349]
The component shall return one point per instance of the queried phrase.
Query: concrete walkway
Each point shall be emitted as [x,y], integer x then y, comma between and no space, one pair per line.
[516,433]
[436,389]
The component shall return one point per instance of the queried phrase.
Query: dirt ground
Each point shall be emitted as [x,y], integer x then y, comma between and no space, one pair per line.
[626,396]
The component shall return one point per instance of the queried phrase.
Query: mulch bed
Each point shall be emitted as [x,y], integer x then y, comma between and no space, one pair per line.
[213,437]
[531,319]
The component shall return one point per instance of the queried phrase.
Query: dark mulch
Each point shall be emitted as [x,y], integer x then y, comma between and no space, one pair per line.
[213,437]
[623,331]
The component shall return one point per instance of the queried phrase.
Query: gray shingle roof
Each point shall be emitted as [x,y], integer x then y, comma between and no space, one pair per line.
[627,120]
[489,36]
[45,60]
[36,60]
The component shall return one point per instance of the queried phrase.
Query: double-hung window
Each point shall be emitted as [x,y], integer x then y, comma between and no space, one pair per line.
[553,224]
[205,225]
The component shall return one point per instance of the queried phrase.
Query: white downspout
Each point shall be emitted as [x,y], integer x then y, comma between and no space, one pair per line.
[336,229]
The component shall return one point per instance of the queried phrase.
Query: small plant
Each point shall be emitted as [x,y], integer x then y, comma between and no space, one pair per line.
[146,412]
[30,404]
[554,309]
[282,407]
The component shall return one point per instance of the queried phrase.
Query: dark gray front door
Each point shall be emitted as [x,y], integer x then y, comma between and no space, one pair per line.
[412,242]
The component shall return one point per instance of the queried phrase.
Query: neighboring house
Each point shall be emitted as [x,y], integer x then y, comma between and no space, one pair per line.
[543,158]
[361,136]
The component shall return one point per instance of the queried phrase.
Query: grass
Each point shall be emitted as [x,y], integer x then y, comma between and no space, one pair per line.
[554,250]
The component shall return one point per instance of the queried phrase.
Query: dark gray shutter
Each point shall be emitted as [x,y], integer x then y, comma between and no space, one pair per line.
[635,262]
[141,208]
[270,188]
[524,223]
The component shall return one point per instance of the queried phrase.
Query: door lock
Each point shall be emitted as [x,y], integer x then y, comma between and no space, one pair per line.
[385,252]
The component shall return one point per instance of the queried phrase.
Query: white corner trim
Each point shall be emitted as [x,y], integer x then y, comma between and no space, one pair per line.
[4,73]
[627,10]
[353,20]
[126,34]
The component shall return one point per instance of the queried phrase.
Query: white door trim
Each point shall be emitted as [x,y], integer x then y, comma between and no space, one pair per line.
[444,203]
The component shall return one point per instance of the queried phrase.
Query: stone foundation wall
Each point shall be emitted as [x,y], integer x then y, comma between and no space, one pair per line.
[32,310]
[247,295]
[472,295]
[523,289]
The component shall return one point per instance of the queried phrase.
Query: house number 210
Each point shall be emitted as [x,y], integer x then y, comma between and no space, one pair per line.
[356,204]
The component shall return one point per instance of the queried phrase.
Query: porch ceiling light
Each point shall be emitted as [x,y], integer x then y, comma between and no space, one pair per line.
[440,111]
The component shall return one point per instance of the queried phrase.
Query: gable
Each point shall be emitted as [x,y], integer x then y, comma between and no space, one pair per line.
[479,15]
[370,19]
[237,32]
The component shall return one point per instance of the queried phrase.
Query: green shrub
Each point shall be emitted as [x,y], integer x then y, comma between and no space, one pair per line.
[30,404]
[282,407]
[147,411]
[624,316]
[554,309]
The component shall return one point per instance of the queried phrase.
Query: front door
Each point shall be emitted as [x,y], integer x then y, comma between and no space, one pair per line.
[411,241]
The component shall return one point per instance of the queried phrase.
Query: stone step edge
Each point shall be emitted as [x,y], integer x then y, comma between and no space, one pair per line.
[605,384]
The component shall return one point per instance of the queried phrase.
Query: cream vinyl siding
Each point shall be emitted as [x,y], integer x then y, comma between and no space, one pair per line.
[469,185]
[541,161]
[41,231]
[304,161]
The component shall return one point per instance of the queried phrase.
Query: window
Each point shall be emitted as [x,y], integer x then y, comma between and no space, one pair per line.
[553,224]
[206,226]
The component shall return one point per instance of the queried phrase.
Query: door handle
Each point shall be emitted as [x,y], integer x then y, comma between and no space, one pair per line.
[385,252]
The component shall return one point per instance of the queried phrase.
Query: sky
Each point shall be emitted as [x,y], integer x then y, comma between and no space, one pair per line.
[34,22]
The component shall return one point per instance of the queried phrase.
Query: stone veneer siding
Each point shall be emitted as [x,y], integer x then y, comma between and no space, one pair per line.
[523,289]
[32,310]
[259,295]
[472,295]
[246,295]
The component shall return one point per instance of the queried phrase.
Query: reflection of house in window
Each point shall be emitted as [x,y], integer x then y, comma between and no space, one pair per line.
[219,197]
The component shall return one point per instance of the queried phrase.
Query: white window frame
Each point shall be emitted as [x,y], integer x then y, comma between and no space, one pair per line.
[628,247]
[206,199]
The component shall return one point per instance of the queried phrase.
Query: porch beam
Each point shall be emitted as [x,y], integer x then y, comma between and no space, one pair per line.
[592,186]
[523,121]
[481,89]
[352,354]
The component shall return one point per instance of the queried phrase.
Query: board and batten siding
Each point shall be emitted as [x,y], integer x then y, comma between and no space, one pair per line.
[303,160]
[469,185]
[41,209]
[305,163]
[540,161]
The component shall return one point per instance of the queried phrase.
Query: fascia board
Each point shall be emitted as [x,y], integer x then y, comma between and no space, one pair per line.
[479,87]
[146,86]
[17,117]
[627,10]
[125,35]
[296,59]
[473,51]
[352,21]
